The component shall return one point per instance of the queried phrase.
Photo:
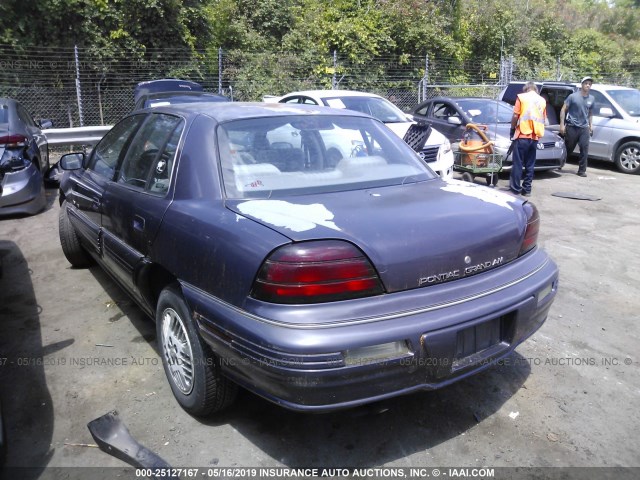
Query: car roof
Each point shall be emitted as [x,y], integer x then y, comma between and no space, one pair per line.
[177,97]
[332,93]
[165,85]
[455,99]
[225,111]
[559,83]
[612,87]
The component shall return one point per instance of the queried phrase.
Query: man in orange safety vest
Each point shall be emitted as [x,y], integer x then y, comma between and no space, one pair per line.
[527,127]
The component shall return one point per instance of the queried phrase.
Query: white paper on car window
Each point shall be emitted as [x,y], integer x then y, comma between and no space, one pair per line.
[336,103]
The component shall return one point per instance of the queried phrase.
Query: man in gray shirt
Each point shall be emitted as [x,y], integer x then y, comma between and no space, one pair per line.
[576,122]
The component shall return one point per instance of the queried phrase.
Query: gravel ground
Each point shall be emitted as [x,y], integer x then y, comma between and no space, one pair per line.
[74,347]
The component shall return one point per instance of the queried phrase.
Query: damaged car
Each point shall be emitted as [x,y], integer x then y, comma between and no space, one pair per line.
[24,160]
[316,284]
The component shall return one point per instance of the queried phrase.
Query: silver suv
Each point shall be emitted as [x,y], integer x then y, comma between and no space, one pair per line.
[616,119]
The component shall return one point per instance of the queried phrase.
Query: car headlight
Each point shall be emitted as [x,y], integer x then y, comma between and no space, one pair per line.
[559,144]
[444,148]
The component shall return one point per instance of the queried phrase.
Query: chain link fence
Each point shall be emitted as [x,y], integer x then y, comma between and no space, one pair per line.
[83,87]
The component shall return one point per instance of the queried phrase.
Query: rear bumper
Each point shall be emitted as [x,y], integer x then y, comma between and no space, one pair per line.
[22,192]
[303,366]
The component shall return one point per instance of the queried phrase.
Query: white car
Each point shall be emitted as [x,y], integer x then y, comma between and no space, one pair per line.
[436,152]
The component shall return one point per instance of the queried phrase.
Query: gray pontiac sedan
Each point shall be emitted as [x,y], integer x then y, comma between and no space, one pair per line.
[317,283]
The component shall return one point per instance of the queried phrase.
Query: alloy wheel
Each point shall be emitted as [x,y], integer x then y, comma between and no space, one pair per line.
[177,351]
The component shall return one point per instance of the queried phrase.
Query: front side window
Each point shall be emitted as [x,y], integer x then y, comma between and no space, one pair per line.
[487,111]
[149,159]
[443,111]
[298,155]
[629,100]
[107,153]
[600,102]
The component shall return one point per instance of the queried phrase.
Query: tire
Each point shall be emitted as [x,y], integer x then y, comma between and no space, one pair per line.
[467,177]
[77,256]
[492,180]
[628,158]
[193,372]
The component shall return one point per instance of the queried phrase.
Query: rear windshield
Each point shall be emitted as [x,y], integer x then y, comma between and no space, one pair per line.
[298,155]
[4,114]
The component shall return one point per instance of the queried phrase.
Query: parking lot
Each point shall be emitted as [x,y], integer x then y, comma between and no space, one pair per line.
[73,347]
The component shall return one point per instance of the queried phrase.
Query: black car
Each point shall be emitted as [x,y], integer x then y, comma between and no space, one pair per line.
[169,91]
[452,115]
[315,283]
[24,159]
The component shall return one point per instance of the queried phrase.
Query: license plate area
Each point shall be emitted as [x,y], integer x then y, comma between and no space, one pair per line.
[482,341]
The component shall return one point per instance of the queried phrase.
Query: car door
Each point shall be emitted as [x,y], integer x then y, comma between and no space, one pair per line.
[136,200]
[85,194]
[601,143]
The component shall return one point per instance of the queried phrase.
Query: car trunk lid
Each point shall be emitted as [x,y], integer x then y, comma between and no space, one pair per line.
[415,235]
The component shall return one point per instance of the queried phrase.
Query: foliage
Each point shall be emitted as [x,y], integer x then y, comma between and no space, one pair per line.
[292,41]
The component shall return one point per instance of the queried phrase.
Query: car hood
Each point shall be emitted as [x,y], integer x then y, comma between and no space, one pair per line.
[415,235]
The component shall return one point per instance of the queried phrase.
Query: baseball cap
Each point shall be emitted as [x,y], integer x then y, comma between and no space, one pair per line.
[585,79]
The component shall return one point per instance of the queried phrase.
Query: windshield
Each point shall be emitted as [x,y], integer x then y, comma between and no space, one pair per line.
[377,107]
[4,114]
[486,111]
[298,155]
[629,100]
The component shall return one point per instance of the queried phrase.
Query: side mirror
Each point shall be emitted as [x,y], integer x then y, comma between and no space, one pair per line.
[71,161]
[454,120]
[606,112]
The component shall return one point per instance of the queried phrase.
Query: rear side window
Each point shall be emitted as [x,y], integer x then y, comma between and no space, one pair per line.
[149,160]
[107,153]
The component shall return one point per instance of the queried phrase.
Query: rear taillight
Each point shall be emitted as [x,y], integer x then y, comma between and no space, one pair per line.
[533,227]
[13,141]
[314,272]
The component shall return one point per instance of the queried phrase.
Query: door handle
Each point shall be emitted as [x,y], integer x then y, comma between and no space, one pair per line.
[138,223]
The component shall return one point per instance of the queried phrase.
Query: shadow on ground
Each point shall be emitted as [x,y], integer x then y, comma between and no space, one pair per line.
[26,402]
